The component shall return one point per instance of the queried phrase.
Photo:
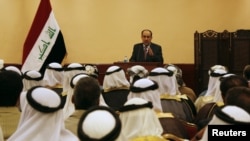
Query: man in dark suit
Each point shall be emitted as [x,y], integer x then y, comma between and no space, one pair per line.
[146,51]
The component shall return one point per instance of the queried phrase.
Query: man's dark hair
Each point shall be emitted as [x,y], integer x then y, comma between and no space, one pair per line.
[239,96]
[86,93]
[230,82]
[11,86]
[147,30]
[246,72]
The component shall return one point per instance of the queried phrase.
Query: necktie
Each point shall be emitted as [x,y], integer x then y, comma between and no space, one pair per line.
[145,52]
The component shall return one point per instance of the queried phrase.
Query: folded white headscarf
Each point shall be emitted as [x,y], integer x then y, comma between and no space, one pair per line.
[41,117]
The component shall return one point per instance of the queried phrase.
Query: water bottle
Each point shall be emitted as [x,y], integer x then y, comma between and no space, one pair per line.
[125,59]
[2,63]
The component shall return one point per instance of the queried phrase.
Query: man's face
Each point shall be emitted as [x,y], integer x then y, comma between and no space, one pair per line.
[146,37]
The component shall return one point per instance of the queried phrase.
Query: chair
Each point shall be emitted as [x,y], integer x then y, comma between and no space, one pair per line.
[172,137]
[191,128]
[176,126]
[205,114]
[180,105]
[172,125]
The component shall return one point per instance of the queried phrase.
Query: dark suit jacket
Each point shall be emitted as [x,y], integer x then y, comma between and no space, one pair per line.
[138,53]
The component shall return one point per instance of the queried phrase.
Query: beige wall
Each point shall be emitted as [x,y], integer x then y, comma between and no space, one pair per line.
[104,31]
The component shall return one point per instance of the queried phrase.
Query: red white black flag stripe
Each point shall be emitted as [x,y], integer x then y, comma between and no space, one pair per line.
[44,43]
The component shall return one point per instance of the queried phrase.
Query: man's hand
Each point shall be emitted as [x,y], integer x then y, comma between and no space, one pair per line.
[150,52]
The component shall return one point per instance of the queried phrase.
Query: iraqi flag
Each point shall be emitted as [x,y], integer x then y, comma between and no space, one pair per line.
[44,43]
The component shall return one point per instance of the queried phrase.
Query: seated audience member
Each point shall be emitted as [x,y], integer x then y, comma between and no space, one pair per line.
[92,74]
[86,93]
[211,80]
[246,73]
[148,90]
[165,79]
[136,72]
[70,71]
[100,123]
[11,86]
[53,77]
[239,96]
[115,87]
[180,105]
[31,79]
[41,117]
[13,68]
[183,88]
[139,120]
[228,81]
[213,93]
[91,70]
[227,115]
